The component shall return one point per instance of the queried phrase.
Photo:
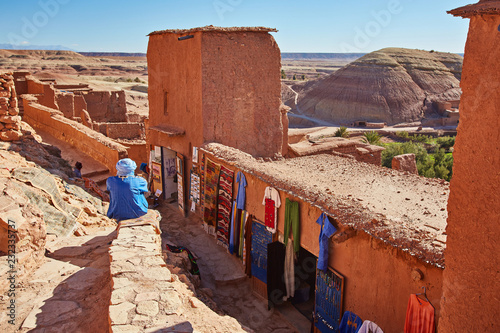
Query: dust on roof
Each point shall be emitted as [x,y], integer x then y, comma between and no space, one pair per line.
[211,28]
[483,7]
[403,210]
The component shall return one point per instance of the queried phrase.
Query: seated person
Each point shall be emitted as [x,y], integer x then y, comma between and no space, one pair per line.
[78,170]
[126,192]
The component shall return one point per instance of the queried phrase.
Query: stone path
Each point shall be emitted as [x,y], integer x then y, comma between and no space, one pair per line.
[223,274]
[70,292]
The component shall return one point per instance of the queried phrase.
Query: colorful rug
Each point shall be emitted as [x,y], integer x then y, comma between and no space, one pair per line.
[212,171]
[224,206]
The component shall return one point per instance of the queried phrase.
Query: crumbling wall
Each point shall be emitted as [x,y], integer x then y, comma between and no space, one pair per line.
[242,91]
[10,121]
[106,106]
[65,101]
[470,300]
[94,144]
[44,92]
[405,162]
[125,131]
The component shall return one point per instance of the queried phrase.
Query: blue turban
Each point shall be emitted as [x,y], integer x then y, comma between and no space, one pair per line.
[125,167]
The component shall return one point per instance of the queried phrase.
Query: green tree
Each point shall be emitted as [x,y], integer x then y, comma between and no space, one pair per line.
[371,137]
[283,74]
[303,77]
[294,77]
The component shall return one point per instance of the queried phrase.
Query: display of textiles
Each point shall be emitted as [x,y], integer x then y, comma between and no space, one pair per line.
[224,206]
[202,183]
[195,188]
[260,239]
[329,299]
[212,171]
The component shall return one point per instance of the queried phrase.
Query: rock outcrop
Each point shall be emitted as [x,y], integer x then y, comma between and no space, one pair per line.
[392,85]
[10,121]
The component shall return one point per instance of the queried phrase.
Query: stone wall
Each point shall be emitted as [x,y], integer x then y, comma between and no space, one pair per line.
[146,296]
[10,121]
[406,162]
[96,145]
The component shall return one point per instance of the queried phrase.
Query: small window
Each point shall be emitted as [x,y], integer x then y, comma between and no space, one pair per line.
[165,103]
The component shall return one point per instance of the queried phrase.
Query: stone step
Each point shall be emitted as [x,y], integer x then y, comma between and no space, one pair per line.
[96,173]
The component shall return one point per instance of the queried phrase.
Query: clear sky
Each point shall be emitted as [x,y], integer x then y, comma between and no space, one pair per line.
[304,26]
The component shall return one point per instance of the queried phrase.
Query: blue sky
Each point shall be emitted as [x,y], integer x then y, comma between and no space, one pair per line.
[304,26]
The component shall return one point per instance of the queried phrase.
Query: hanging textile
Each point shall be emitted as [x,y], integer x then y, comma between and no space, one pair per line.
[272,202]
[240,196]
[292,223]
[327,230]
[232,228]
[224,206]
[276,288]
[328,300]
[419,316]
[260,239]
[241,243]
[202,184]
[289,270]
[350,323]
[211,180]
[247,248]
[370,327]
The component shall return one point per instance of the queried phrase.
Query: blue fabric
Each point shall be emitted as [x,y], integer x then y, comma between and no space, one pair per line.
[240,197]
[351,323]
[127,199]
[231,233]
[327,230]
[125,167]
[77,173]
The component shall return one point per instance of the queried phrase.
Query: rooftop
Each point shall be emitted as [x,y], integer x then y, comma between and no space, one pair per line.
[481,8]
[211,28]
[403,210]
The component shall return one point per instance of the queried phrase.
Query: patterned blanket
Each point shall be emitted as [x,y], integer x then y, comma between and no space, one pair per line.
[224,206]
[212,171]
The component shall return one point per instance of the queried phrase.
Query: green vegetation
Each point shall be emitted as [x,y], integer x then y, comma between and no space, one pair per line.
[372,138]
[294,77]
[433,160]
[342,132]
[283,74]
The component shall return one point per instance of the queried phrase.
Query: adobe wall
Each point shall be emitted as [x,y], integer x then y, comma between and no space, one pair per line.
[137,151]
[94,144]
[44,92]
[106,106]
[125,130]
[174,68]
[471,279]
[10,121]
[241,91]
[65,101]
[378,277]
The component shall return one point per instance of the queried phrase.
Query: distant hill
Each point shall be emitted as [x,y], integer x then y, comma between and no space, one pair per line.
[112,54]
[392,85]
[320,56]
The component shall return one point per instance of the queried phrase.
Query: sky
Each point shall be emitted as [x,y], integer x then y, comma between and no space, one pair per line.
[326,26]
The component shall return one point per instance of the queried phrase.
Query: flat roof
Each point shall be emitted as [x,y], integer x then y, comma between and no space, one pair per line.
[404,210]
[211,28]
[483,7]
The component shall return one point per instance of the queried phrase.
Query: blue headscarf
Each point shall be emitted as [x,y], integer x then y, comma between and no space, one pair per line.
[125,167]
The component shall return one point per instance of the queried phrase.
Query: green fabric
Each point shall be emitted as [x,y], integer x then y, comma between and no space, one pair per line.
[292,220]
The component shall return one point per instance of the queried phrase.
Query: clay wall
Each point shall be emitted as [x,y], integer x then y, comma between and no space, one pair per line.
[241,91]
[94,144]
[65,101]
[175,92]
[361,152]
[79,105]
[378,277]
[106,106]
[137,151]
[125,131]
[44,92]
[471,287]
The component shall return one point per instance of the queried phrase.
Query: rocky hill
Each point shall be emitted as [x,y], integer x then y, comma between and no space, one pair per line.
[392,85]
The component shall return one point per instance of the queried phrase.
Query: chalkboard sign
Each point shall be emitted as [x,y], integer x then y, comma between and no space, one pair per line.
[260,238]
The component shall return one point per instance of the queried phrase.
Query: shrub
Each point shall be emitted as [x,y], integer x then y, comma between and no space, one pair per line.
[446,142]
[403,134]
[342,132]
[372,138]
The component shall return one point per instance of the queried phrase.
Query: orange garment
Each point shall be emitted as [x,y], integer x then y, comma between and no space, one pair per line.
[419,316]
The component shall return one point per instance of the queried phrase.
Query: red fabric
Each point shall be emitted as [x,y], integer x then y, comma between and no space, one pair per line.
[419,316]
[269,210]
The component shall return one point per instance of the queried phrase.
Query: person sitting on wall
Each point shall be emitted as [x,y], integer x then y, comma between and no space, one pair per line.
[126,191]
[78,170]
